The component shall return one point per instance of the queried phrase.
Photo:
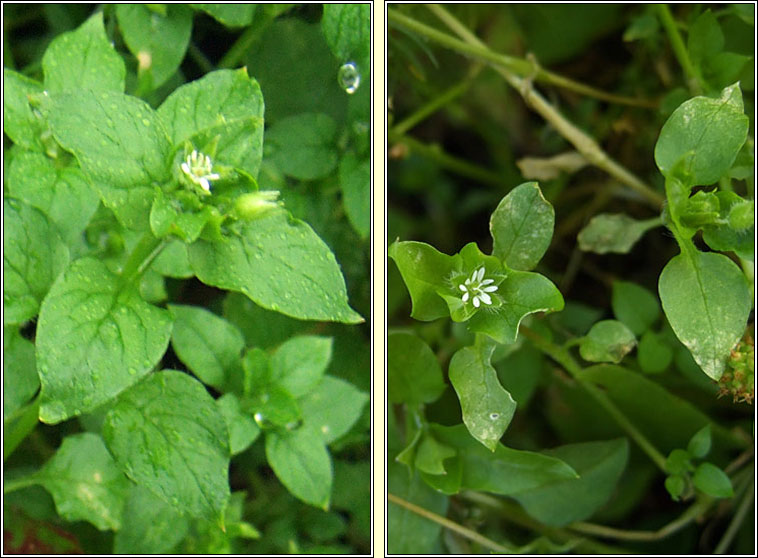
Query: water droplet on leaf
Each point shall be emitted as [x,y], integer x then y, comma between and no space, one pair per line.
[349,77]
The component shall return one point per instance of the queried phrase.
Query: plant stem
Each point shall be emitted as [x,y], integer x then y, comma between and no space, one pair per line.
[146,250]
[18,426]
[564,358]
[585,144]
[435,104]
[246,40]
[689,515]
[200,58]
[694,79]
[520,66]
[448,524]
[19,483]
[737,520]
[514,514]
[454,164]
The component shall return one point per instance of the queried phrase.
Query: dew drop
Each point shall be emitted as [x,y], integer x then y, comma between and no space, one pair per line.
[494,416]
[132,371]
[146,122]
[349,77]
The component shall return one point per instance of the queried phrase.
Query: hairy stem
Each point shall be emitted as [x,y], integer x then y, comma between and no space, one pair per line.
[694,79]
[564,358]
[147,249]
[448,524]
[447,161]
[584,143]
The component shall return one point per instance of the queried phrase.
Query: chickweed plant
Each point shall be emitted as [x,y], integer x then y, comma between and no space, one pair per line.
[186,366]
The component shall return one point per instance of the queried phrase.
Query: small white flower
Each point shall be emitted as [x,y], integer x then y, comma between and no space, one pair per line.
[477,288]
[198,169]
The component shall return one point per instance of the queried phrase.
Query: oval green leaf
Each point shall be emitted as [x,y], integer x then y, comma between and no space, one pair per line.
[522,227]
[182,451]
[120,144]
[301,461]
[712,481]
[713,129]
[83,59]
[599,465]
[487,407]
[95,338]
[208,344]
[33,256]
[707,301]
[414,375]
[607,341]
[85,482]
[281,264]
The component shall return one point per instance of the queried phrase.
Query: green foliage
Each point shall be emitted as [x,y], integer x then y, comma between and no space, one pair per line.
[170,283]
[543,335]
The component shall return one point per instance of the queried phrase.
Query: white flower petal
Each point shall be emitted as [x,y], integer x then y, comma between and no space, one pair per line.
[464,298]
[485,298]
[463,288]
[491,289]
[480,274]
[476,302]
[487,282]
[205,185]
[185,168]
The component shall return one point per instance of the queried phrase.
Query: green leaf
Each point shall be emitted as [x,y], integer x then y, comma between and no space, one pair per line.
[487,407]
[224,103]
[33,256]
[678,462]
[522,227]
[424,271]
[675,485]
[63,194]
[150,526]
[636,306]
[299,363]
[505,471]
[599,465]
[707,301]
[431,455]
[173,261]
[332,407]
[615,233]
[522,293]
[355,181]
[159,42]
[713,129]
[410,532]
[83,59]
[704,38]
[231,15]
[19,120]
[281,264]
[665,419]
[736,230]
[607,341]
[303,146]
[273,406]
[347,29]
[120,144]
[85,482]
[208,344]
[302,463]
[414,375]
[182,452]
[653,353]
[20,380]
[95,338]
[700,444]
[243,430]
[712,481]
